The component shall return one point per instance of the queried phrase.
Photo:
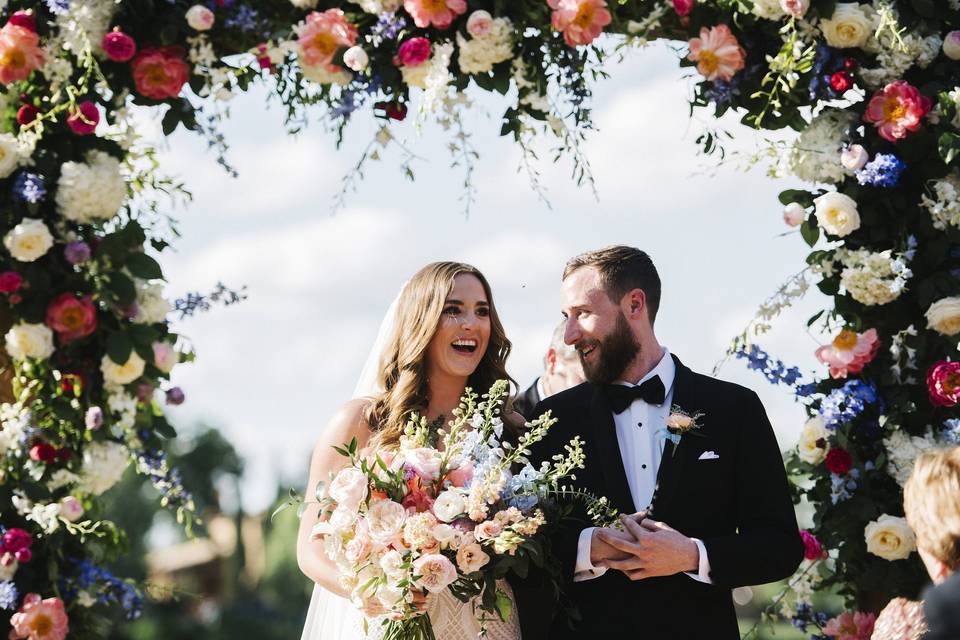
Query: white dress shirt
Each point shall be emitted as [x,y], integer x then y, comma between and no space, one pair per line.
[641,434]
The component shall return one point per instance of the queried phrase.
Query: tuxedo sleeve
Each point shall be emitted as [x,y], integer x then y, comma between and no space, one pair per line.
[941,608]
[767,545]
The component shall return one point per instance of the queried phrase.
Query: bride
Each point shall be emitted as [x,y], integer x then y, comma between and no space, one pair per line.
[445,336]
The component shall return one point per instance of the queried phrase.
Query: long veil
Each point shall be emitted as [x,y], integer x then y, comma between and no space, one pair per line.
[331,617]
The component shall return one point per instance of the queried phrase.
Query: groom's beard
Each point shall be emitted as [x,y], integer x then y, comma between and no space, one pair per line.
[615,351]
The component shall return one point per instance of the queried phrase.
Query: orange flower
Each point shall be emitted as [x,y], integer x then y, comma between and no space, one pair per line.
[20,53]
[580,20]
[717,53]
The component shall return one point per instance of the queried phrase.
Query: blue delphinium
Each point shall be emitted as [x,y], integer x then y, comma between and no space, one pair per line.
[846,403]
[388,27]
[951,431]
[883,171]
[842,487]
[58,7]
[774,370]
[8,595]
[244,19]
[29,187]
[723,93]
[109,589]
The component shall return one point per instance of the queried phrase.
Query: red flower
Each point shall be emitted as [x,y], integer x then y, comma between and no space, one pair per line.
[160,73]
[10,281]
[84,120]
[682,7]
[839,461]
[118,46]
[16,539]
[841,81]
[943,383]
[43,452]
[27,114]
[812,550]
[24,19]
[414,52]
[72,317]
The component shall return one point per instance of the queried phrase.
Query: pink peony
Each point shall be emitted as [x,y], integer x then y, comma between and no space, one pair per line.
[349,488]
[360,545]
[580,20]
[851,626]
[849,352]
[414,52]
[84,120]
[10,281]
[434,572]
[943,383]
[385,520]
[439,13]
[425,462]
[321,35]
[717,53]
[72,317]
[160,73]
[39,619]
[20,53]
[897,109]
[460,476]
[683,7]
[812,550]
[118,46]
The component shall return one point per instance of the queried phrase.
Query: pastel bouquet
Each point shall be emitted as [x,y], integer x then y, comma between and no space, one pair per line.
[452,508]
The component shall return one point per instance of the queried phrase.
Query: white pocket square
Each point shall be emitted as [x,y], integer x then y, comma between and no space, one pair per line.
[708,455]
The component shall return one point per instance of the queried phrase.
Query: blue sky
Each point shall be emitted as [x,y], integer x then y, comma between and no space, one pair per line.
[271,371]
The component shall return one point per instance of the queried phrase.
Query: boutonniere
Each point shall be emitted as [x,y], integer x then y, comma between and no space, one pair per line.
[680,423]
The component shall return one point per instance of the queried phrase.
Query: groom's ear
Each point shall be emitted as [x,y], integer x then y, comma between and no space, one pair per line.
[634,304]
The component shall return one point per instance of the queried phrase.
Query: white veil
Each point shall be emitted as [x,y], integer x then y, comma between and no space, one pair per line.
[331,617]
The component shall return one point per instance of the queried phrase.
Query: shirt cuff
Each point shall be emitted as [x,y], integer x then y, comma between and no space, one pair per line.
[703,573]
[584,569]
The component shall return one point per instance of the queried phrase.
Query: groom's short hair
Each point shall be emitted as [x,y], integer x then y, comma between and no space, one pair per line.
[622,269]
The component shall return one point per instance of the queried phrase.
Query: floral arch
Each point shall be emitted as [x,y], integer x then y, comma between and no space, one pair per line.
[870,86]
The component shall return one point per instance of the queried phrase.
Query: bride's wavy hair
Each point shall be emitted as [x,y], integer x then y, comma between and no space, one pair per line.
[403,363]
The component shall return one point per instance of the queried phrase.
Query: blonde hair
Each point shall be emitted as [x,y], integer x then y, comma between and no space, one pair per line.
[403,364]
[931,499]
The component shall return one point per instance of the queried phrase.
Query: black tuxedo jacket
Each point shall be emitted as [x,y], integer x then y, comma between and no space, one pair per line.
[738,504]
[941,608]
[526,402]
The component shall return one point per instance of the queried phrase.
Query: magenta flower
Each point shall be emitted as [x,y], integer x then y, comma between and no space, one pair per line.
[897,109]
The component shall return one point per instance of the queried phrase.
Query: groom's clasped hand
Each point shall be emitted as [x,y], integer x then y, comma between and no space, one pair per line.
[645,548]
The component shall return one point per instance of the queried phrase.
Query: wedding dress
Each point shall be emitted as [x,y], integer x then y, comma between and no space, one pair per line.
[331,617]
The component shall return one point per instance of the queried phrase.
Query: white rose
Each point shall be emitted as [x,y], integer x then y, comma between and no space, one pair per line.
[356,58]
[812,446]
[385,520]
[434,572]
[125,373]
[854,157]
[103,466]
[951,45]
[25,340]
[200,18]
[768,9]
[448,506]
[837,213]
[447,536]
[794,214]
[9,154]
[392,564]
[349,488]
[890,537]
[849,26]
[28,240]
[943,316]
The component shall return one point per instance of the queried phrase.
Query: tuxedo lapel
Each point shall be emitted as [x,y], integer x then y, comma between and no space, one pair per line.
[610,462]
[670,471]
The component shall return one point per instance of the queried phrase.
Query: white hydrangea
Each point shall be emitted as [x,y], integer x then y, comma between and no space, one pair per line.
[815,155]
[9,154]
[103,466]
[479,54]
[944,205]
[873,278]
[13,421]
[152,307]
[896,57]
[436,78]
[85,23]
[57,68]
[62,478]
[92,190]
[902,452]
[304,4]
[123,406]
[768,9]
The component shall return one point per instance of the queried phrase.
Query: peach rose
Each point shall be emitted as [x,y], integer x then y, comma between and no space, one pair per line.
[471,557]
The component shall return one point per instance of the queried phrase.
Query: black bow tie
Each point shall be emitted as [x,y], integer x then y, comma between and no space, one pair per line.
[620,396]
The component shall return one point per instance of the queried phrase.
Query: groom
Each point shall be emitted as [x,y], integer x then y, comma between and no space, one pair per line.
[710,506]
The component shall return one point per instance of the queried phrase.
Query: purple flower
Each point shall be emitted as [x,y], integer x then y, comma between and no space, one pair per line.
[883,171]
[175,396]
[94,418]
[77,252]
[29,187]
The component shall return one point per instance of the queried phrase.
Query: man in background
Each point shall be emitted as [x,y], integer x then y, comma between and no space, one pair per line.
[561,370]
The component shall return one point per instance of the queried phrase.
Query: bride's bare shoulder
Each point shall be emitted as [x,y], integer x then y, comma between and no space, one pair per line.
[348,422]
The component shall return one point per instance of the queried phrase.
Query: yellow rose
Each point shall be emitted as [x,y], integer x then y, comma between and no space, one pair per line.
[943,316]
[850,25]
[813,441]
[122,373]
[890,537]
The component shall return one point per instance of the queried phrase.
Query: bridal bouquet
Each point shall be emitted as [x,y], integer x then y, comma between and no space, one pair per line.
[452,508]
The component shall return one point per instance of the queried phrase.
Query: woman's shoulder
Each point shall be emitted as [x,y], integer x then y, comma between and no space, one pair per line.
[348,422]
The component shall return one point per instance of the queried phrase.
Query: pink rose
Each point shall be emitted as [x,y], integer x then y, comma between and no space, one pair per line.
[471,557]
[581,21]
[943,383]
[360,546]
[811,546]
[479,23]
[72,317]
[200,18]
[425,462]
[851,626]
[896,109]
[435,572]
[951,45]
[794,214]
[37,614]
[460,476]
[854,157]
[683,7]
[349,488]
[85,119]
[487,530]
[160,73]
[118,46]
[20,53]
[795,8]
[165,357]
[414,52]
[71,509]
[10,282]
